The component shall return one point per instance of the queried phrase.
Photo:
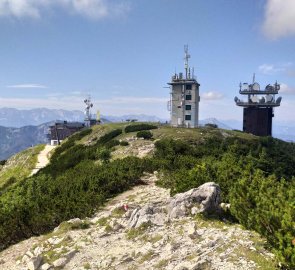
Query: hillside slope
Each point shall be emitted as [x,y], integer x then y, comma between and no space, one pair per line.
[97,164]
[106,241]
[14,140]
[19,166]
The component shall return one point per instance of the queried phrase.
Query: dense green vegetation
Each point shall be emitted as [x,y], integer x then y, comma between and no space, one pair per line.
[73,185]
[139,127]
[256,176]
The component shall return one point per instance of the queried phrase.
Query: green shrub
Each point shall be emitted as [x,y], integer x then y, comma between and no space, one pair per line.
[75,192]
[145,134]
[104,154]
[249,173]
[2,162]
[211,125]
[112,143]
[267,205]
[124,143]
[109,136]
[139,127]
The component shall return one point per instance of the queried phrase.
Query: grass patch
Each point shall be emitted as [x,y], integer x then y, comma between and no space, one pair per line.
[102,221]
[19,166]
[135,232]
[147,256]
[67,226]
[162,264]
[261,262]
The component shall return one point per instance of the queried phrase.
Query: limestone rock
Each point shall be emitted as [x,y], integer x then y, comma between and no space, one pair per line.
[34,263]
[61,262]
[75,221]
[149,213]
[205,198]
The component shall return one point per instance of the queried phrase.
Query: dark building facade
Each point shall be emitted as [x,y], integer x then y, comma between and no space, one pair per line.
[61,130]
[258,121]
[259,107]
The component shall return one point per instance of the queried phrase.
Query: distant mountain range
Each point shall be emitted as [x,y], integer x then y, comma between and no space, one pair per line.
[20,129]
[10,117]
[19,118]
[14,140]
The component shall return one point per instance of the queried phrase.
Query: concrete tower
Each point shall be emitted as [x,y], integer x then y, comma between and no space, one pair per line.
[258,109]
[184,97]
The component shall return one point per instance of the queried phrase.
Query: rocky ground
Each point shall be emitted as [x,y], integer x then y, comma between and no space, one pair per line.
[142,229]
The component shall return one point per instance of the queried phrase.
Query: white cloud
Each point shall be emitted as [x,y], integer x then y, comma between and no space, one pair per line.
[269,69]
[212,95]
[279,18]
[31,85]
[286,89]
[94,9]
[134,100]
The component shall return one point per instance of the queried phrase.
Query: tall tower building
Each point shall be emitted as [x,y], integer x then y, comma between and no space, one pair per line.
[258,109]
[184,97]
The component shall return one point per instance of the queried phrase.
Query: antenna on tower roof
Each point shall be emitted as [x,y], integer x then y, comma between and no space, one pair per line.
[186,57]
[253,77]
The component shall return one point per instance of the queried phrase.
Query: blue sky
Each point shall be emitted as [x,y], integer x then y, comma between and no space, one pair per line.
[123,52]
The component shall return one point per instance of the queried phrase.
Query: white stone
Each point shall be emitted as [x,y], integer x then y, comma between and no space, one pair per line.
[46,266]
[61,262]
[34,263]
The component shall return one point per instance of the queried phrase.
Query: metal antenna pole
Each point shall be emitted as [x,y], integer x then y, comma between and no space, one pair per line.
[186,57]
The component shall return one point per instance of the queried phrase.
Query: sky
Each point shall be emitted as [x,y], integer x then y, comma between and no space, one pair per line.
[53,53]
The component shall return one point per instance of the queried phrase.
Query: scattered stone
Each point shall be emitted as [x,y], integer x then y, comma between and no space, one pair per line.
[29,254]
[202,265]
[61,262]
[34,263]
[149,213]
[46,266]
[75,221]
[184,243]
[25,258]
[38,251]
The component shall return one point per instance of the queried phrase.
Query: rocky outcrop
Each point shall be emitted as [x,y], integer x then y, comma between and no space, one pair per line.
[204,199]
[173,240]
[150,213]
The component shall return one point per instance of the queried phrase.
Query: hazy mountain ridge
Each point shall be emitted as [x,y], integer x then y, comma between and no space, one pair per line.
[14,140]
[10,117]
[20,129]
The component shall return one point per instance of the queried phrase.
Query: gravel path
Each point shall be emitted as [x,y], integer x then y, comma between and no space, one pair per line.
[43,158]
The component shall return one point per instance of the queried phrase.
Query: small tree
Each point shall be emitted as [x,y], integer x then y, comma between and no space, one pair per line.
[144,134]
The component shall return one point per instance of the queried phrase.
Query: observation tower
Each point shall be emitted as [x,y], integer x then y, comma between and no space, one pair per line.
[184,97]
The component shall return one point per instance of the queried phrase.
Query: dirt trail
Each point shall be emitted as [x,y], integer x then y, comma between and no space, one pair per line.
[43,158]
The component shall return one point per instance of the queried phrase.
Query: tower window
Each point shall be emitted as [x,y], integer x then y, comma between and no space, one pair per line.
[188,117]
[188,107]
[188,87]
[188,97]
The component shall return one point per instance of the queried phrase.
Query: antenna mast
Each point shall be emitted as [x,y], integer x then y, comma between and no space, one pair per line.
[186,57]
[89,105]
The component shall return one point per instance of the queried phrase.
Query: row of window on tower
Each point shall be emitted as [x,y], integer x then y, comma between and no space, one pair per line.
[188,117]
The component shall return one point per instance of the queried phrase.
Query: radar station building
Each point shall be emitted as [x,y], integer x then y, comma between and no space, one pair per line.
[184,97]
[259,107]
